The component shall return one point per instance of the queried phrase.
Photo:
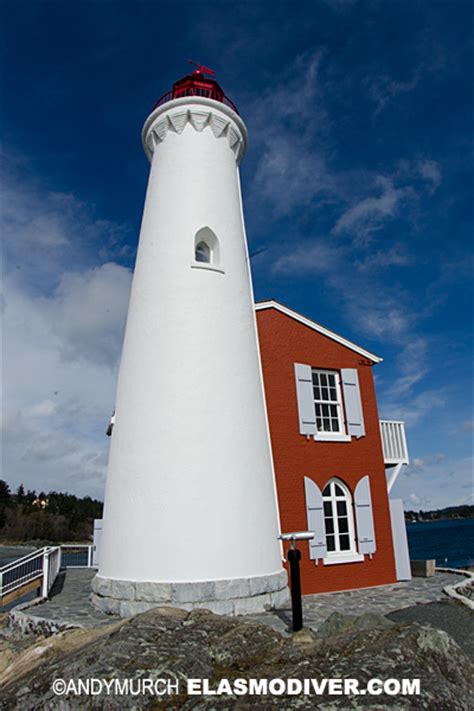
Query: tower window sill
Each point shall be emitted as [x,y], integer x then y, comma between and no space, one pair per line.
[208,267]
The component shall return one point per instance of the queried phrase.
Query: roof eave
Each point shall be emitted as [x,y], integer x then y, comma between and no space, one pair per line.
[271,304]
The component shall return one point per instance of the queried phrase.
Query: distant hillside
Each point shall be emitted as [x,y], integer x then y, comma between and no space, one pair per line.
[449,512]
[54,517]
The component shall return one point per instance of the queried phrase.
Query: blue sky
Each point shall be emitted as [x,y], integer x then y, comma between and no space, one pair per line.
[357,189]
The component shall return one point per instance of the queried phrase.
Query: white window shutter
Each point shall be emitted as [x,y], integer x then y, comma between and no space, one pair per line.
[364,517]
[315,519]
[305,398]
[352,402]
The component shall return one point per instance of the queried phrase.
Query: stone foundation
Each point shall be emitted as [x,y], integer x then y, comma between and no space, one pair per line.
[237,596]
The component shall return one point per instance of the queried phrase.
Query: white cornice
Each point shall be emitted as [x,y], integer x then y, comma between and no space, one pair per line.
[317,327]
[201,113]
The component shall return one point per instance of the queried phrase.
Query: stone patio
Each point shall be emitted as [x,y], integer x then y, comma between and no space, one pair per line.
[383,599]
[69,604]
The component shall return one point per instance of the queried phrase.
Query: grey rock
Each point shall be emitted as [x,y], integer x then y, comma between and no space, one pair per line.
[128,608]
[122,589]
[153,592]
[219,607]
[252,605]
[334,624]
[119,589]
[105,604]
[193,592]
[337,624]
[227,589]
[172,643]
[280,598]
[267,583]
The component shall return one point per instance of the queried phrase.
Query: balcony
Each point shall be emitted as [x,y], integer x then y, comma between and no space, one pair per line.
[394,443]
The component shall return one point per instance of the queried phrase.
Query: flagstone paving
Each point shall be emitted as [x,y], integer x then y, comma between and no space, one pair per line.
[383,600]
[69,604]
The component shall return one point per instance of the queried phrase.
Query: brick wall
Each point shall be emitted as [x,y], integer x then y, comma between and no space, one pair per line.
[283,342]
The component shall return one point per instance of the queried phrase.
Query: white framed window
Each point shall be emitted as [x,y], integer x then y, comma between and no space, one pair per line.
[329,403]
[338,520]
[328,407]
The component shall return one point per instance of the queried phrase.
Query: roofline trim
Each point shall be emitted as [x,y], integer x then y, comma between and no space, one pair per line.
[262,305]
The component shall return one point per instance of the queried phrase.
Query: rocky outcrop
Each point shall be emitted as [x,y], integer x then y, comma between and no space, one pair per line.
[172,643]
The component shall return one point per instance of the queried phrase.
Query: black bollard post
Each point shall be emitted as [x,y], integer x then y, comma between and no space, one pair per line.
[294,557]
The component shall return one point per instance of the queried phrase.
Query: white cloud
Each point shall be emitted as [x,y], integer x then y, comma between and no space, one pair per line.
[423,462]
[394,256]
[383,89]
[45,408]
[412,408]
[45,232]
[434,481]
[59,371]
[313,257]
[63,329]
[370,214]
[431,172]
[292,168]
[86,312]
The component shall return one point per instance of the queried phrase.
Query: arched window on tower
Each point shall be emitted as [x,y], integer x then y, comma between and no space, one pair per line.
[206,247]
[338,518]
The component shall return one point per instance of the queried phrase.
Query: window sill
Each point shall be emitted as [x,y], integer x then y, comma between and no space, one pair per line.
[349,558]
[208,267]
[327,437]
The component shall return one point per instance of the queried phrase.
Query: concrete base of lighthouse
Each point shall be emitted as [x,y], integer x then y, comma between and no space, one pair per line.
[236,596]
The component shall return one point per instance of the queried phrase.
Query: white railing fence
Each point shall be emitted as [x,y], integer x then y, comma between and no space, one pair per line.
[51,567]
[76,556]
[43,566]
[394,443]
[21,572]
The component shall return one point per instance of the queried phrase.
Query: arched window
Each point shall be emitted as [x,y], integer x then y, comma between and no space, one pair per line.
[206,247]
[339,518]
[203,253]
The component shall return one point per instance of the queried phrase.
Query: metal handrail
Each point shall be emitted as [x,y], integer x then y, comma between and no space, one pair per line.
[14,563]
[27,569]
[84,549]
[43,564]
[194,92]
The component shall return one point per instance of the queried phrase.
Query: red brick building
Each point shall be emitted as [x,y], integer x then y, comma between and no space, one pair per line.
[330,453]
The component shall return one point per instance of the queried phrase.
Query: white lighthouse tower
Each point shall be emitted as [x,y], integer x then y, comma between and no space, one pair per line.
[190,516]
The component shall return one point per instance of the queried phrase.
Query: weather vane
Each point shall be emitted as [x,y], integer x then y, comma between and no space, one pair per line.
[201,68]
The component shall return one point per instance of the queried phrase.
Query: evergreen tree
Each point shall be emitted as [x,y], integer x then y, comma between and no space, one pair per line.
[5,494]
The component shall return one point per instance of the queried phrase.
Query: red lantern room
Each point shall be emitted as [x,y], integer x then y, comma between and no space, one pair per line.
[197,84]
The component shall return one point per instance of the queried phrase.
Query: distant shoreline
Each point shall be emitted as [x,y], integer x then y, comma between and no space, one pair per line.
[450,513]
[441,518]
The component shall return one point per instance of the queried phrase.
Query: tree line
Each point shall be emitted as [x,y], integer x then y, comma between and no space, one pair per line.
[50,517]
[464,511]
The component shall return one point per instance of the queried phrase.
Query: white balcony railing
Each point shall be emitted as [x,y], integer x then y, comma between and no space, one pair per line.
[394,443]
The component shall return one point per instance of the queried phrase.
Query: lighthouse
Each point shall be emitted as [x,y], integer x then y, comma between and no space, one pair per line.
[190,513]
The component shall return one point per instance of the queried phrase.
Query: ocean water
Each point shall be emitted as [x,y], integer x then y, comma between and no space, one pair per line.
[451,542]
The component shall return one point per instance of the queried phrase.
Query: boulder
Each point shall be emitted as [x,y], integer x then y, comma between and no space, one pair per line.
[167,643]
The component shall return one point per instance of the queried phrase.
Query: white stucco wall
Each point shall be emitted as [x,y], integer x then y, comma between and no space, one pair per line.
[190,493]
